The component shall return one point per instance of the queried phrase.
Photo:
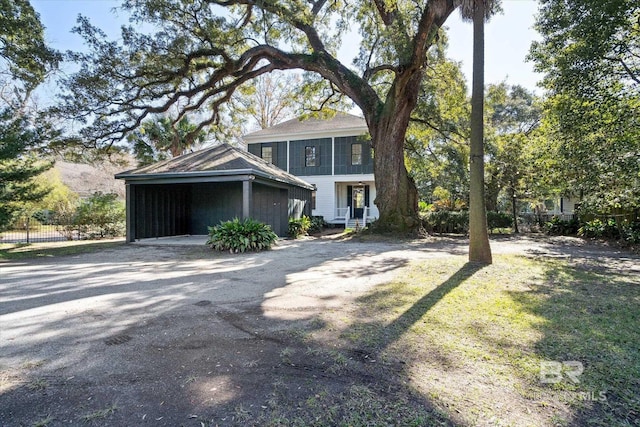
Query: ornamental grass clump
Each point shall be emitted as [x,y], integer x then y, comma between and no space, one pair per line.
[241,236]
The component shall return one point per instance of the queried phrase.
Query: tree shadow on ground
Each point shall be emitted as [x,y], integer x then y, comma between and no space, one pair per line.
[388,334]
[170,352]
[591,321]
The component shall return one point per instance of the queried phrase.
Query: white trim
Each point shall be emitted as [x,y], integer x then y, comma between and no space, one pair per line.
[314,134]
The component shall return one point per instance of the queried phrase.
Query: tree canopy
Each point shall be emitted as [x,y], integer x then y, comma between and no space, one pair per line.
[25,61]
[203,51]
[590,54]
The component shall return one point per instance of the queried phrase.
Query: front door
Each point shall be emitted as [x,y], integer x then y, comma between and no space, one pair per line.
[358,202]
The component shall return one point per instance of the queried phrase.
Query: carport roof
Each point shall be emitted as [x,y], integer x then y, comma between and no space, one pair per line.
[222,161]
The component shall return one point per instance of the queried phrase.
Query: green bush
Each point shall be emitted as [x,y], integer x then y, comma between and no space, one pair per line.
[499,220]
[598,229]
[317,224]
[630,232]
[561,227]
[101,215]
[299,227]
[446,221]
[241,236]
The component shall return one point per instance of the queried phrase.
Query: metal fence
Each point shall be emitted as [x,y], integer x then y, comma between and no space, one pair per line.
[29,230]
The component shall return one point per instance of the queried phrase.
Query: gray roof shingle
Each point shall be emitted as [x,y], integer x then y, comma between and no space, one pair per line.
[341,121]
[222,159]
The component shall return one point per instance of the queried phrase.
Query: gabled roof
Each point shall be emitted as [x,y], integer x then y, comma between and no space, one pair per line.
[221,160]
[298,127]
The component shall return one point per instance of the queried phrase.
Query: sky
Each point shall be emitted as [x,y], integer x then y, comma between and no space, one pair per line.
[507,36]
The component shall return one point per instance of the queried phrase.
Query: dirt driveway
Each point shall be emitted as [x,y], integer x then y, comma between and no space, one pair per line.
[180,335]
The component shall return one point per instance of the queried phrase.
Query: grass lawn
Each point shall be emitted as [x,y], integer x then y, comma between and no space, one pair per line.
[521,342]
[17,251]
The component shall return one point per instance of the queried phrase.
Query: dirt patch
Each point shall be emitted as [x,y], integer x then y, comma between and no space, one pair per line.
[165,335]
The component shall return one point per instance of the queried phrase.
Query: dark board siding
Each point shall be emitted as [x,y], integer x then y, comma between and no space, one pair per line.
[279,152]
[212,203]
[160,210]
[299,202]
[323,157]
[270,207]
[343,164]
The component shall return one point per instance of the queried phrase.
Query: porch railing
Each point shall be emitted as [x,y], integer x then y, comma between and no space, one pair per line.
[342,212]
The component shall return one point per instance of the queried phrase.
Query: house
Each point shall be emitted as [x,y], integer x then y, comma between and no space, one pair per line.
[334,155]
[186,194]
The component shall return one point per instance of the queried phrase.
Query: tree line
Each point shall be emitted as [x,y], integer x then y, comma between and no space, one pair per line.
[206,63]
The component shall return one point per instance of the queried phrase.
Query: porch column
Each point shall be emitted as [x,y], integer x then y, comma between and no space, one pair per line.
[130,210]
[247,197]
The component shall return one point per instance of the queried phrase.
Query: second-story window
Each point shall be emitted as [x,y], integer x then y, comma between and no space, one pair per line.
[310,158]
[356,154]
[267,154]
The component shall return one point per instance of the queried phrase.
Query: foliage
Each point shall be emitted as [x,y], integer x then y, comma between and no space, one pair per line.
[562,227]
[18,166]
[299,227]
[317,224]
[22,48]
[164,138]
[437,141]
[24,63]
[101,215]
[590,56]
[498,220]
[424,207]
[204,51]
[446,221]
[241,236]
[630,232]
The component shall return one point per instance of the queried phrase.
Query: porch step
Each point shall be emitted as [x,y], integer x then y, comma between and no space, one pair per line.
[353,222]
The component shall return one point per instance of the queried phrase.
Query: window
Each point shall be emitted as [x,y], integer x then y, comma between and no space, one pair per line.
[267,154]
[356,154]
[313,199]
[310,158]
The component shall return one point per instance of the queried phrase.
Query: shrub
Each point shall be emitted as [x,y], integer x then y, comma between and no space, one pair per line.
[424,206]
[498,220]
[299,227]
[598,229]
[241,236]
[630,232]
[317,224]
[101,215]
[446,221]
[561,227]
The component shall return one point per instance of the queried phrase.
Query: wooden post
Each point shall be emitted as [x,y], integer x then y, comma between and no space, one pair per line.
[247,197]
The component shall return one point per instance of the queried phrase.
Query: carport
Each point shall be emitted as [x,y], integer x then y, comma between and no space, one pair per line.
[186,194]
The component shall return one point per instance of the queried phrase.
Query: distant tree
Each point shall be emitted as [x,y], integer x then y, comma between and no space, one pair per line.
[24,63]
[590,54]
[437,143]
[514,116]
[162,139]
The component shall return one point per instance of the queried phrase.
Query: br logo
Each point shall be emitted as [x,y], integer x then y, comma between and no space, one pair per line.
[552,372]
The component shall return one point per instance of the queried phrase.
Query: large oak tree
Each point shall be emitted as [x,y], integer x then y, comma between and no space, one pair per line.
[202,51]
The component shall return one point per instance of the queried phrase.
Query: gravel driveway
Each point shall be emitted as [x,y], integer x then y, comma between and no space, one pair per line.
[122,335]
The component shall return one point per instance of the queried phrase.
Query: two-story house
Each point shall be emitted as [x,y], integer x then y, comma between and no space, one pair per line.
[334,155]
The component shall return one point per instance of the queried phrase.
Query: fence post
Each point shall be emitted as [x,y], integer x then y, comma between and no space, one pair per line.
[28,226]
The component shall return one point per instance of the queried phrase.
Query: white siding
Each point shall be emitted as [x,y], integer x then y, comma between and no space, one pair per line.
[325,195]
[327,200]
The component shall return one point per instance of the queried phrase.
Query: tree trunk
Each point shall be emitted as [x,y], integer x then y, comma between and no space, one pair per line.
[479,249]
[396,192]
[514,210]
